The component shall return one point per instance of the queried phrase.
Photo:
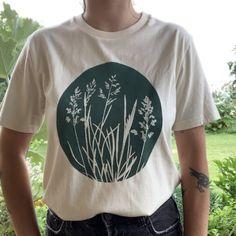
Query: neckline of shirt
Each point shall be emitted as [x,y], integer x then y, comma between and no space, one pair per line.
[111,34]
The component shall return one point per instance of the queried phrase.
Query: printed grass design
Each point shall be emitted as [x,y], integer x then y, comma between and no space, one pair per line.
[100,140]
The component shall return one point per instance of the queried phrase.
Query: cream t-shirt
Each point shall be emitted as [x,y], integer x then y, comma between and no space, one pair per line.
[110,101]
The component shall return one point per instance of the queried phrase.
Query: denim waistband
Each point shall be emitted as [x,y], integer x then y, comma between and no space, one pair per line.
[111,218]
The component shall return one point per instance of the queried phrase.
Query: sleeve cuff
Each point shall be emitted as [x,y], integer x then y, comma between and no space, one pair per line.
[192,123]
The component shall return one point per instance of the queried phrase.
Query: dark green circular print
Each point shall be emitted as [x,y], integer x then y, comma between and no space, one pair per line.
[108,121]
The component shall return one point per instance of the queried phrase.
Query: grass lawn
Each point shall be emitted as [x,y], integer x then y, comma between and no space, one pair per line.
[219,146]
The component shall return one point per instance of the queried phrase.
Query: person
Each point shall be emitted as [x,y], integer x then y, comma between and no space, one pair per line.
[113,85]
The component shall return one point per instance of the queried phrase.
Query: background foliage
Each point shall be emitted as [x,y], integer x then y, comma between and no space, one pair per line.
[225,99]
[14,30]
[222,221]
[226,104]
[35,162]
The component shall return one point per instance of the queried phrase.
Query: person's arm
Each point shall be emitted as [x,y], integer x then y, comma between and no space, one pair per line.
[15,181]
[194,180]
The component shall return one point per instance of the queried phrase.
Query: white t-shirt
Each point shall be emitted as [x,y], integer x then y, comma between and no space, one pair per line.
[111,101]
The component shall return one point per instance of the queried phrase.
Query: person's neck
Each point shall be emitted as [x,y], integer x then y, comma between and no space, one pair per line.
[110,15]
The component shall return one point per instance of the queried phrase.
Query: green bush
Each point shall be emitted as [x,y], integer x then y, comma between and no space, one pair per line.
[179,202]
[3,88]
[14,31]
[41,212]
[225,99]
[226,107]
[6,228]
[35,165]
[222,221]
[216,198]
[227,176]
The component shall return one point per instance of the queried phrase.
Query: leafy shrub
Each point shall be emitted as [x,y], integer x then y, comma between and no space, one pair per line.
[227,176]
[3,88]
[36,177]
[232,65]
[6,228]
[14,30]
[216,198]
[34,163]
[222,221]
[179,202]
[41,212]
[226,107]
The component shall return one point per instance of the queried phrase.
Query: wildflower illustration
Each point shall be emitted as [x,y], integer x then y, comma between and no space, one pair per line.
[107,124]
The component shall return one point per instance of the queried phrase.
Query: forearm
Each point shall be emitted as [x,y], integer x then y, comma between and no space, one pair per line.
[196,203]
[194,180]
[18,196]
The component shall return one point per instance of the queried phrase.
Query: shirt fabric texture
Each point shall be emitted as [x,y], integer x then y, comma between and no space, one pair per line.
[111,101]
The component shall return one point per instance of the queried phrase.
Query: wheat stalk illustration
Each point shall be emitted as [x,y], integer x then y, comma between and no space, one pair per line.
[90,90]
[113,89]
[148,121]
[73,112]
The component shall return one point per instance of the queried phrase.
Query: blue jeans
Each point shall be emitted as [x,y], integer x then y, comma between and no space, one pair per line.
[164,221]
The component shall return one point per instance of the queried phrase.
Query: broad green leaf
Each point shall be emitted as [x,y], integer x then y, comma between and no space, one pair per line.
[24,27]
[9,17]
[14,31]
[6,56]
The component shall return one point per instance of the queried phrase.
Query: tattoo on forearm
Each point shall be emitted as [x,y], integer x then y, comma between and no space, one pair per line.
[202,179]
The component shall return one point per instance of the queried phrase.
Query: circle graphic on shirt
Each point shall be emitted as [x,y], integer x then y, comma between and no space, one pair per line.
[108,122]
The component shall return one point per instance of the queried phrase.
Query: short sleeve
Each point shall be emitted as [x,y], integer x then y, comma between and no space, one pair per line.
[23,105]
[194,102]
